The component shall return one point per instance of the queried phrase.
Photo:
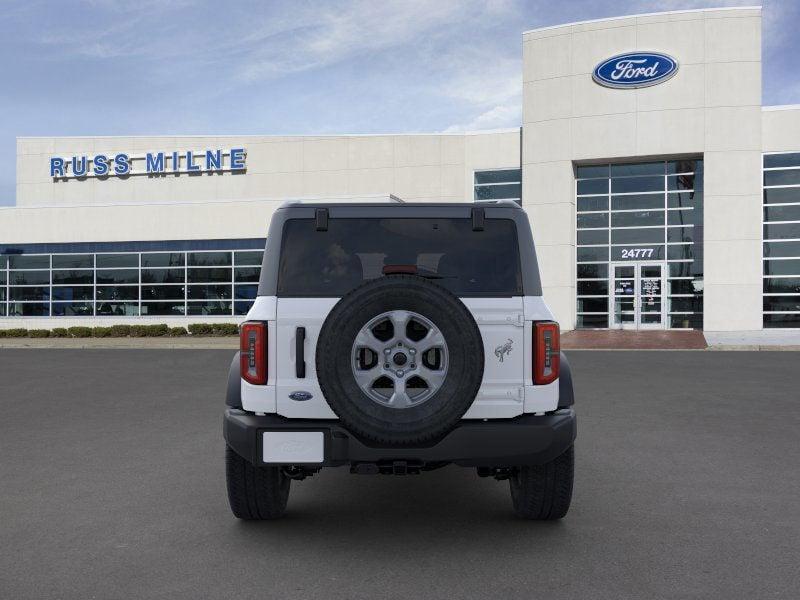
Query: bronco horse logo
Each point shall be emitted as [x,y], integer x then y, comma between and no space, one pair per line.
[504,349]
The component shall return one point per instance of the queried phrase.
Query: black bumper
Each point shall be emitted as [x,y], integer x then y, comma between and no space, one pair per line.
[524,440]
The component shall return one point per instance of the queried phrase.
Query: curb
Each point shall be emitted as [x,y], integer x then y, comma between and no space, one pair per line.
[203,343]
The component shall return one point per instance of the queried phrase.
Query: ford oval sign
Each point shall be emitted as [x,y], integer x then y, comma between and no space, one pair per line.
[635,70]
[300,396]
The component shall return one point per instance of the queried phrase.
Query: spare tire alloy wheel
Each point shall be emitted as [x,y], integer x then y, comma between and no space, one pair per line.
[407,368]
[400,360]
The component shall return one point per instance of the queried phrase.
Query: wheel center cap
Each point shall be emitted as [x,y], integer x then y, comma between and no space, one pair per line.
[400,359]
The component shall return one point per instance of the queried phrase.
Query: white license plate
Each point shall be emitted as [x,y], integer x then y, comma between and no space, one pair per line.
[293,447]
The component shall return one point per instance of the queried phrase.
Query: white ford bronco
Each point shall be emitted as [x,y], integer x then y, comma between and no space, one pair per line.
[398,338]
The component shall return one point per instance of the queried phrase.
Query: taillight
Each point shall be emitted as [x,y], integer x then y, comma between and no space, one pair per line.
[253,352]
[546,352]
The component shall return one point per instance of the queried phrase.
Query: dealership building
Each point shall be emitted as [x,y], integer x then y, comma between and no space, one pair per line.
[661,193]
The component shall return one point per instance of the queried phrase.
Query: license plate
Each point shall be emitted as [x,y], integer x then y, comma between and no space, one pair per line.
[293,447]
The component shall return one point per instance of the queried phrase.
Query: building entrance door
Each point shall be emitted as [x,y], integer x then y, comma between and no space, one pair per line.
[637,298]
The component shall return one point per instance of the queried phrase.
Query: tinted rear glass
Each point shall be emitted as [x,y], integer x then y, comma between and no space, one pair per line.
[466,262]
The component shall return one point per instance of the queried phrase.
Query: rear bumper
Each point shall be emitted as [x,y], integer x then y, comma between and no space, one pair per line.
[524,440]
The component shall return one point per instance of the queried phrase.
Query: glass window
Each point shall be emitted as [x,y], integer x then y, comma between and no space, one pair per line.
[593,321]
[116,261]
[209,259]
[685,200]
[73,292]
[245,292]
[209,292]
[788,177]
[593,186]
[122,292]
[622,170]
[252,258]
[61,277]
[682,269]
[593,203]
[587,271]
[637,202]
[684,217]
[596,305]
[782,213]
[27,261]
[590,254]
[164,275]
[589,171]
[782,320]
[680,234]
[29,293]
[637,236]
[782,285]
[684,166]
[592,236]
[782,231]
[209,308]
[29,277]
[639,218]
[3,262]
[686,321]
[782,267]
[209,275]
[782,195]
[73,261]
[354,250]
[680,251]
[593,288]
[250,274]
[683,182]
[73,309]
[240,307]
[782,160]
[118,276]
[28,309]
[163,259]
[781,249]
[3,308]
[162,308]
[498,176]
[2,278]
[624,185]
[782,303]
[512,191]
[684,286]
[592,220]
[117,309]
[162,292]
[2,294]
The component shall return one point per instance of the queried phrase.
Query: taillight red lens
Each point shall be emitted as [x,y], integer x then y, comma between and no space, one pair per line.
[546,352]
[253,352]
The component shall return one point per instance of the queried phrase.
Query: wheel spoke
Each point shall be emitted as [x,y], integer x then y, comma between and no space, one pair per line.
[399,319]
[400,398]
[433,339]
[367,339]
[367,377]
[432,377]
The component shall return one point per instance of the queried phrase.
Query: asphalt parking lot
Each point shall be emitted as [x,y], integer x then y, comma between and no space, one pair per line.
[112,486]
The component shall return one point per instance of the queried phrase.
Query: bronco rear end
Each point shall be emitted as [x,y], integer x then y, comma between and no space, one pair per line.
[399,338]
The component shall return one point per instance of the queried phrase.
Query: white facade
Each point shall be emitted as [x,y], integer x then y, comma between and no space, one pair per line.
[710,110]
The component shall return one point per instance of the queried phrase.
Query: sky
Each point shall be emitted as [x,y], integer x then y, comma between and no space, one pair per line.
[161,67]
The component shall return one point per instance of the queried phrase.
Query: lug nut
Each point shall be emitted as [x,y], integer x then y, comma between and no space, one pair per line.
[399,344]
[386,366]
[412,351]
[399,373]
[387,351]
[413,366]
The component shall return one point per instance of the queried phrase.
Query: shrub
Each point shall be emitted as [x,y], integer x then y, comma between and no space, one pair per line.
[138,331]
[120,330]
[201,329]
[177,331]
[101,332]
[38,333]
[225,329]
[156,330]
[59,332]
[16,332]
[80,332]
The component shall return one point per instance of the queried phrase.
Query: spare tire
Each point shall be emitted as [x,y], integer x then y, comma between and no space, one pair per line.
[399,360]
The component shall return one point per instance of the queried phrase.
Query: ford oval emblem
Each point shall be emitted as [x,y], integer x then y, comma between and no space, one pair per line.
[635,70]
[301,396]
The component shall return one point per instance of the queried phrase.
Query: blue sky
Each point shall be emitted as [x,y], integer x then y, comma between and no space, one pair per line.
[151,67]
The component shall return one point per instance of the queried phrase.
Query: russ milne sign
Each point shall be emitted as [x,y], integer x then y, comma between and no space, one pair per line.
[635,70]
[151,163]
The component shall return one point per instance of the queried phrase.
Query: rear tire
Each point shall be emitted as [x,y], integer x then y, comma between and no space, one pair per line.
[255,493]
[544,492]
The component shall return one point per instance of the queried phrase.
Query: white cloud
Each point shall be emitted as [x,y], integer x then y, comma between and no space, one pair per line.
[497,117]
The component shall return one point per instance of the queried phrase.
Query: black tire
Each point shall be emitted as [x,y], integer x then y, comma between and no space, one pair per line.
[544,492]
[255,493]
[416,424]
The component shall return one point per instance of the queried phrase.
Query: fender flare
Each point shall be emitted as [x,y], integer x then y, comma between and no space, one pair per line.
[233,395]
[566,395]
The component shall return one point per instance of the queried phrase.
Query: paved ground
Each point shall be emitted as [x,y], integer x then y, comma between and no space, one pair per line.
[111,486]
[618,339]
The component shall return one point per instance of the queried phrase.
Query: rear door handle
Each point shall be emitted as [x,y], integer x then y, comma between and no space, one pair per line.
[300,352]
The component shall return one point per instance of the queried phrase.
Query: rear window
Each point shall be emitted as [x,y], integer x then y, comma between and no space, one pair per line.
[466,262]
